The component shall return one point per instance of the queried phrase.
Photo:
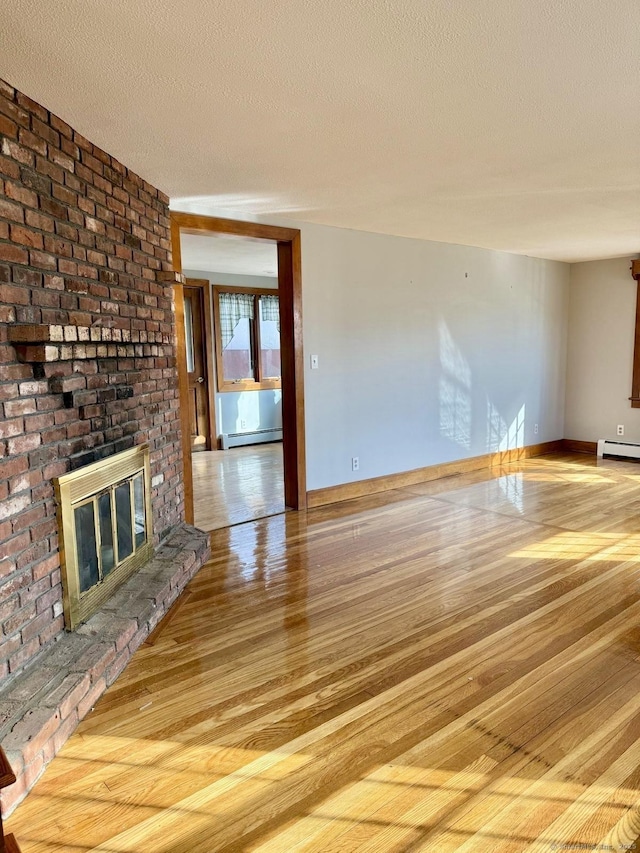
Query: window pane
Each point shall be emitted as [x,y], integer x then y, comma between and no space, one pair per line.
[269,341]
[86,550]
[188,332]
[236,356]
[138,500]
[123,521]
[106,533]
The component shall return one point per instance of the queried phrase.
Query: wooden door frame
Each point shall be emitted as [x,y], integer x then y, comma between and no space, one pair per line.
[290,295]
[205,286]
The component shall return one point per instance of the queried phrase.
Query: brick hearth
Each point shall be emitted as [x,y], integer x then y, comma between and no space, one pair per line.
[41,708]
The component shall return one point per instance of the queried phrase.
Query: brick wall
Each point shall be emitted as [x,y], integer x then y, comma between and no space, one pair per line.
[87,357]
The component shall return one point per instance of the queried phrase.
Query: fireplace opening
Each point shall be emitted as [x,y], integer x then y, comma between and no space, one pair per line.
[105,520]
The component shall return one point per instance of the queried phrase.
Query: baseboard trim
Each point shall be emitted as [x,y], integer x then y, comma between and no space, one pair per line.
[571,445]
[362,488]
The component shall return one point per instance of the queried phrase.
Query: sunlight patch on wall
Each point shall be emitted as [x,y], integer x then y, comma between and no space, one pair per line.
[499,435]
[454,391]
[496,427]
[514,436]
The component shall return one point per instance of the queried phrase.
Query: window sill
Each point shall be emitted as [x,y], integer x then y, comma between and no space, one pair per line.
[250,385]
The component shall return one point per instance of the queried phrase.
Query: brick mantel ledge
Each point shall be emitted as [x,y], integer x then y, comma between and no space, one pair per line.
[41,708]
[41,343]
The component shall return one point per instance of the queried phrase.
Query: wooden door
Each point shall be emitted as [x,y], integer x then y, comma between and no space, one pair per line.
[196,355]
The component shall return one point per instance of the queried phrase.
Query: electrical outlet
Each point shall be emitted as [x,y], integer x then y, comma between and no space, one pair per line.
[620,429]
[355,464]
[535,429]
[243,424]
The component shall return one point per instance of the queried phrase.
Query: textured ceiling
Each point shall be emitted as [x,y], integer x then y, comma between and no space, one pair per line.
[217,253]
[508,124]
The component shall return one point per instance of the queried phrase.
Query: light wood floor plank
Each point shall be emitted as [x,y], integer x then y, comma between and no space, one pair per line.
[453,666]
[237,485]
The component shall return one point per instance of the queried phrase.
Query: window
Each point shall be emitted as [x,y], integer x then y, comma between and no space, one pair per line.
[247,330]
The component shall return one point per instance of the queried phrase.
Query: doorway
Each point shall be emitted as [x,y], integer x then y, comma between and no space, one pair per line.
[238,476]
[286,241]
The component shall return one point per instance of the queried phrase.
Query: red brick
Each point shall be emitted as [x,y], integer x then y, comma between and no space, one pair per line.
[49,170]
[32,106]
[37,423]
[27,237]
[11,427]
[67,267]
[9,168]
[27,277]
[96,660]
[42,260]
[33,387]
[54,282]
[8,127]
[13,254]
[37,220]
[73,151]
[11,210]
[24,654]
[14,546]
[62,160]
[44,131]
[46,566]
[11,796]
[24,521]
[17,152]
[57,469]
[62,126]
[21,194]
[25,481]
[43,529]
[65,731]
[32,732]
[12,466]
[23,444]
[68,695]
[87,703]
[35,626]
[53,630]
[53,208]
[14,295]
[30,140]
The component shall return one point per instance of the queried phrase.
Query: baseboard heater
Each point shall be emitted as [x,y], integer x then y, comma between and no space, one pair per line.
[258,436]
[623,449]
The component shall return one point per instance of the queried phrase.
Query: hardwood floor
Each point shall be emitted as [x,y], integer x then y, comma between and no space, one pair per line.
[447,667]
[237,485]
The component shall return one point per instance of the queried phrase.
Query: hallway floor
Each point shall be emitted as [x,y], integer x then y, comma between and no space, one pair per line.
[236,485]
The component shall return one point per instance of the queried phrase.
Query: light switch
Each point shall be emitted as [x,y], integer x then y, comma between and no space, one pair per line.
[314,362]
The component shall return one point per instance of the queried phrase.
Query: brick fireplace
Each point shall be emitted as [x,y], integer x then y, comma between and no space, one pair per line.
[87,369]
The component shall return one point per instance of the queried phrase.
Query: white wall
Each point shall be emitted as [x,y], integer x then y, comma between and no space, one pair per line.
[428,352]
[600,352]
[244,411]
